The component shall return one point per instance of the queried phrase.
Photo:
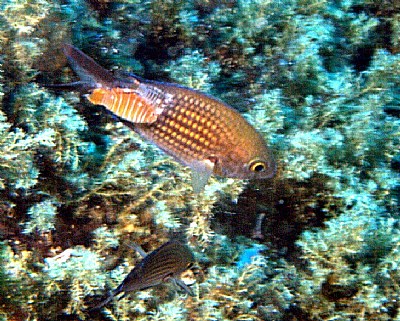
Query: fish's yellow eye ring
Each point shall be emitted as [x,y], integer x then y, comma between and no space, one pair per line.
[257,166]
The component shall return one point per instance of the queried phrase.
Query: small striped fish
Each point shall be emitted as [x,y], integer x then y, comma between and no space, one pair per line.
[198,130]
[165,263]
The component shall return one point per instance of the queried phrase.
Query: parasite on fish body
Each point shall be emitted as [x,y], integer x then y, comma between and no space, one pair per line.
[165,263]
[196,129]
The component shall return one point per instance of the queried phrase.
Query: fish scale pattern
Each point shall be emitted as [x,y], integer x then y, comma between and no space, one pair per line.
[195,127]
[198,130]
[190,127]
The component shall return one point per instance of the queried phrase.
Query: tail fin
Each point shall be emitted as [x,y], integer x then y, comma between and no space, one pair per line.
[107,300]
[72,86]
[91,74]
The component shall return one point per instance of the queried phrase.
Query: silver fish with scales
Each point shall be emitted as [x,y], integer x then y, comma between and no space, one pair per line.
[165,263]
[198,130]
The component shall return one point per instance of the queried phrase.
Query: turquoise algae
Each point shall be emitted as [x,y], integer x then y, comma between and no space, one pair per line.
[319,79]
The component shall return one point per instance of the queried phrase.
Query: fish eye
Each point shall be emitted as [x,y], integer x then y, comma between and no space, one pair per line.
[258,166]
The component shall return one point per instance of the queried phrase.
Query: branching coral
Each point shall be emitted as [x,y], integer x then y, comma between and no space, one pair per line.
[199,227]
[43,116]
[41,217]
[181,71]
[353,266]
[347,132]
[319,79]
[17,167]
[253,290]
[27,38]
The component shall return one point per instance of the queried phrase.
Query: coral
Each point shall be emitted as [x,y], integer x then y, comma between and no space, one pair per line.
[162,216]
[9,299]
[104,239]
[75,268]
[267,115]
[18,170]
[319,80]
[56,123]
[28,39]
[353,267]
[232,292]
[199,227]
[181,71]
[41,217]
[21,286]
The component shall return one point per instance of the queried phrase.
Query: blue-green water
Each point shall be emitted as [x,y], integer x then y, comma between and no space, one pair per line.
[319,241]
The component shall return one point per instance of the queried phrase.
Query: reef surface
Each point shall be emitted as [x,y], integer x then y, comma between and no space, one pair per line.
[319,241]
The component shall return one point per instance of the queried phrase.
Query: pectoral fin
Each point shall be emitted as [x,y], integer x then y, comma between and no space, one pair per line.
[201,172]
[183,285]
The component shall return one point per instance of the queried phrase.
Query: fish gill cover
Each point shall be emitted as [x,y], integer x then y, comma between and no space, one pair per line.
[319,79]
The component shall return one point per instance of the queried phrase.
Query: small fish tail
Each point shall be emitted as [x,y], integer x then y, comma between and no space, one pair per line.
[91,74]
[107,300]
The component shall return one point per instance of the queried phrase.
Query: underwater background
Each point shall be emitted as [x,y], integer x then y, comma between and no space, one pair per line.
[319,241]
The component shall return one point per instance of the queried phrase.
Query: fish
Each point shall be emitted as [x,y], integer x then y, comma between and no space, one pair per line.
[165,263]
[196,129]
